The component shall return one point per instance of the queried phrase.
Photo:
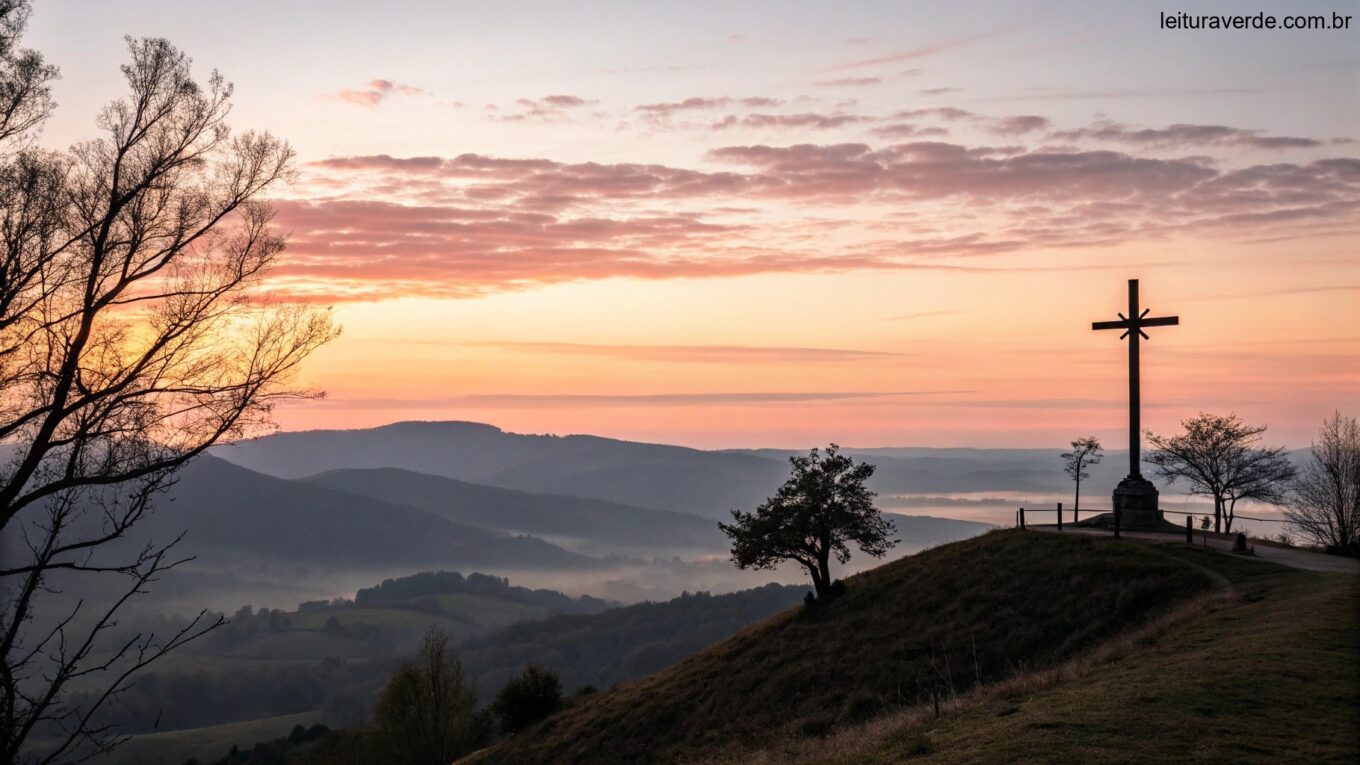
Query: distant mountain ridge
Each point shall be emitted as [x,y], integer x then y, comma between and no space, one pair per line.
[652,476]
[226,507]
[523,512]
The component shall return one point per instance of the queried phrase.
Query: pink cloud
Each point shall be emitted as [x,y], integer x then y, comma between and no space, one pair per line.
[666,109]
[474,224]
[1186,135]
[802,120]
[376,92]
[947,113]
[923,51]
[908,130]
[554,108]
[1021,124]
[850,82]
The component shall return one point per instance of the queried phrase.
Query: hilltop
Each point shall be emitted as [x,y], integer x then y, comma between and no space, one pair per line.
[1265,670]
[940,622]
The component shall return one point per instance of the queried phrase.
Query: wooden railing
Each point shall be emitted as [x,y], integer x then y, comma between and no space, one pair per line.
[1238,538]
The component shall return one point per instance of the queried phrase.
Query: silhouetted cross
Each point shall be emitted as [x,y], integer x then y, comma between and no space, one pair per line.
[1133,329]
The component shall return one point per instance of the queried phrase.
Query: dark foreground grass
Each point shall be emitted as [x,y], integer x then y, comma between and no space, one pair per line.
[940,622]
[1266,673]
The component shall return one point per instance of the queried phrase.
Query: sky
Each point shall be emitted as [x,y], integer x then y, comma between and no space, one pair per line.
[788,223]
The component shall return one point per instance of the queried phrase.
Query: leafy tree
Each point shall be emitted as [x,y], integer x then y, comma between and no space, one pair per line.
[427,713]
[1324,500]
[130,342]
[820,510]
[1220,457]
[533,696]
[1085,453]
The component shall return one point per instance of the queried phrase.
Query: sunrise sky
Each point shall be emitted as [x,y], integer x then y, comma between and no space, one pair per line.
[777,224]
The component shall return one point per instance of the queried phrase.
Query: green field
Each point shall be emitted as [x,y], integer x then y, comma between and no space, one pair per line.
[488,612]
[174,747]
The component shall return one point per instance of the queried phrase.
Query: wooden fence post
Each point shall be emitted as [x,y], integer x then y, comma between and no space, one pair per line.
[1189,531]
[1022,518]
[1059,516]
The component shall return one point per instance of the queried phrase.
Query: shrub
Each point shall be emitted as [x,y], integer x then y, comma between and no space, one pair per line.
[533,696]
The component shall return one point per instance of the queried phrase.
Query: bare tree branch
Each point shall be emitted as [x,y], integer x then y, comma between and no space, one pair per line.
[132,338]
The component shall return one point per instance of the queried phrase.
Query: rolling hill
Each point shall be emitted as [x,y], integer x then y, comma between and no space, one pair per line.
[1037,647]
[578,518]
[230,510]
[643,475]
[944,620]
[653,476]
[620,644]
[333,657]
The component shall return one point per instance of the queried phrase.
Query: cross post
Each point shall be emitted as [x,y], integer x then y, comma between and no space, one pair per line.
[1135,493]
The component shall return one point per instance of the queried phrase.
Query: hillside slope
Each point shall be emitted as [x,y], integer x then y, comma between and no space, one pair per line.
[654,476]
[523,512]
[620,644]
[1269,672]
[946,619]
[227,508]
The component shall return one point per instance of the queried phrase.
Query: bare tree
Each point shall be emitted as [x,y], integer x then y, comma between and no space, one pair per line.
[1085,453]
[427,712]
[1220,457]
[1324,500]
[133,336]
[25,79]
[1262,476]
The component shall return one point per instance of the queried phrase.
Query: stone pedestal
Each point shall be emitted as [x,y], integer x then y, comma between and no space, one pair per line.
[1136,498]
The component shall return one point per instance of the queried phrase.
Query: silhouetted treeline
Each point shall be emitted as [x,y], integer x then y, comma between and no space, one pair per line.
[620,644]
[252,668]
[172,700]
[406,588]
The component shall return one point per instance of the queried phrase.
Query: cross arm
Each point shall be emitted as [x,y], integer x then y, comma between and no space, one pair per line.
[1121,324]
[1161,321]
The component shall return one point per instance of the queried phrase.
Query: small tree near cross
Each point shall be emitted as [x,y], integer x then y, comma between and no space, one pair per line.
[1085,453]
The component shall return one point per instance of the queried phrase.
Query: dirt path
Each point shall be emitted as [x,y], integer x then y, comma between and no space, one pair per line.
[1285,556]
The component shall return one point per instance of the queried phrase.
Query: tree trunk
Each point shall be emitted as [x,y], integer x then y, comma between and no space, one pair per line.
[1218,514]
[820,586]
[823,579]
[1076,506]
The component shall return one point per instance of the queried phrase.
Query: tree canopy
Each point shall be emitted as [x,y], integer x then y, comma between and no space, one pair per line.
[427,713]
[1221,457]
[821,510]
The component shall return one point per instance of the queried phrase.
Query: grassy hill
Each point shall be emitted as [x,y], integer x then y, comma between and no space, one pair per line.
[203,744]
[942,622]
[1265,671]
